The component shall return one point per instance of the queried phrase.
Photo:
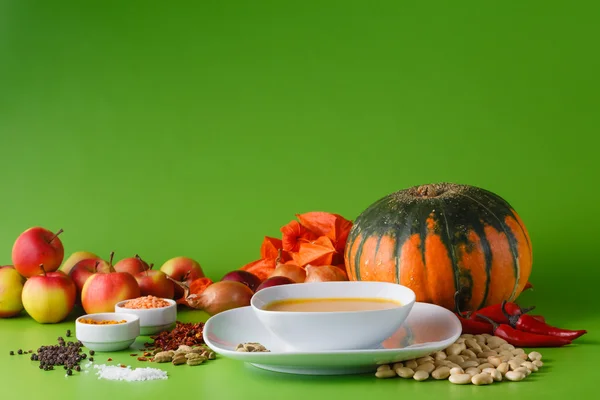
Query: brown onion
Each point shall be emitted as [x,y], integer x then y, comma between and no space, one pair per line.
[220,296]
[294,272]
[324,273]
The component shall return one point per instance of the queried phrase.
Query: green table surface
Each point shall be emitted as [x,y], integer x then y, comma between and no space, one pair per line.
[563,374]
[198,127]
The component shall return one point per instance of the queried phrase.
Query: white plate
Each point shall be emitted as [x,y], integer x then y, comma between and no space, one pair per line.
[427,329]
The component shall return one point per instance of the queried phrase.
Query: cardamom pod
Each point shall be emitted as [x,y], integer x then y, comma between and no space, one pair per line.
[163,356]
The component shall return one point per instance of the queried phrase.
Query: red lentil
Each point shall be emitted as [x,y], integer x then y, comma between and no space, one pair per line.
[146,302]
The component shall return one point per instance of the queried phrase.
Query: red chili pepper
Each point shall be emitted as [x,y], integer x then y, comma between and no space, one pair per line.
[470,325]
[524,339]
[527,323]
[538,317]
[495,313]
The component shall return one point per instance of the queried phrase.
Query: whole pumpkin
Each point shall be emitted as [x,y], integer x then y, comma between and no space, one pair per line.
[441,238]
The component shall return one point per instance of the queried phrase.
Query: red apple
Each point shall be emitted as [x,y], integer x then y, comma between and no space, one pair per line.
[74,259]
[11,288]
[153,282]
[132,265]
[182,269]
[48,298]
[102,291]
[83,270]
[34,247]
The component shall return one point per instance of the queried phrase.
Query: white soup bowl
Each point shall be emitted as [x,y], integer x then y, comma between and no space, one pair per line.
[333,330]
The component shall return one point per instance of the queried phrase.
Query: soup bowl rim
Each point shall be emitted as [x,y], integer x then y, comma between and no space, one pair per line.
[407,292]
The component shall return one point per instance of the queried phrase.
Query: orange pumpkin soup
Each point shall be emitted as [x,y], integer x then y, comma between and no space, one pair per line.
[332,304]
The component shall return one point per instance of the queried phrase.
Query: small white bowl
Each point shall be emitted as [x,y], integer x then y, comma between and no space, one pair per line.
[110,337]
[345,330]
[152,320]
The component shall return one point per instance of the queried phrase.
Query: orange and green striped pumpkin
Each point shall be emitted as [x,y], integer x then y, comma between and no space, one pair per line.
[442,238]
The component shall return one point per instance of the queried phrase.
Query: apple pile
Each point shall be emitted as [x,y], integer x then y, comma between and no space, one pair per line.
[310,250]
[47,289]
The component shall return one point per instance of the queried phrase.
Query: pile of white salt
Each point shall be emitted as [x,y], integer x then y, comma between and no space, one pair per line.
[114,373]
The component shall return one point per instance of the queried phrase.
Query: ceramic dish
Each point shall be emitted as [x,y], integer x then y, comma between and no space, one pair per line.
[318,330]
[110,337]
[152,320]
[427,329]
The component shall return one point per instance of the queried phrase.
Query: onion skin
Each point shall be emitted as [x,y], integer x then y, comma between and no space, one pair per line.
[324,273]
[245,277]
[294,272]
[275,281]
[221,296]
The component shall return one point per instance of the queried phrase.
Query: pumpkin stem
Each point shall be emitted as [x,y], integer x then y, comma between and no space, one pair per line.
[430,190]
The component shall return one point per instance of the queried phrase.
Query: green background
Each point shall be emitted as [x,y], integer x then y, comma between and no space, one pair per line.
[197,128]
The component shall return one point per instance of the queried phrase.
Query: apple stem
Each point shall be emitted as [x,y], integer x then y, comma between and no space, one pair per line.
[110,261]
[43,270]
[96,266]
[56,235]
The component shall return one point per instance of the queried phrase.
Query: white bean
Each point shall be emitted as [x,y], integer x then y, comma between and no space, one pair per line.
[529,365]
[456,370]
[456,359]
[534,355]
[421,375]
[440,355]
[468,353]
[460,379]
[466,335]
[455,349]
[495,361]
[480,339]
[482,379]
[384,367]
[404,372]
[472,371]
[468,364]
[514,376]
[427,367]
[496,375]
[518,351]
[397,365]
[524,370]
[441,373]
[538,363]
[412,364]
[485,347]
[386,373]
[503,368]
[485,365]
[424,360]
[495,342]
[486,354]
[507,346]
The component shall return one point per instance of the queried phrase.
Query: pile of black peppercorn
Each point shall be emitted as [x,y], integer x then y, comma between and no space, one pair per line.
[67,354]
